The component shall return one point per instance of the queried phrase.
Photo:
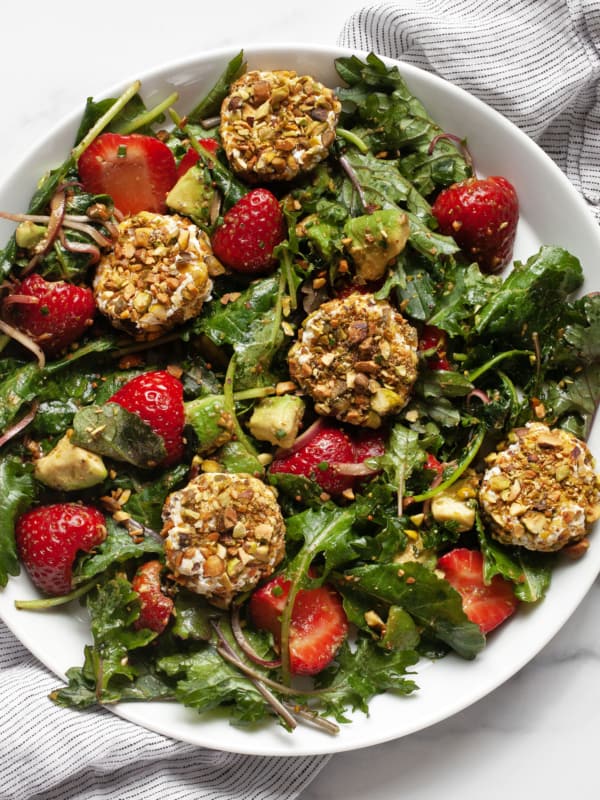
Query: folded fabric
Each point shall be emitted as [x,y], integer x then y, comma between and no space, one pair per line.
[52,753]
[535,61]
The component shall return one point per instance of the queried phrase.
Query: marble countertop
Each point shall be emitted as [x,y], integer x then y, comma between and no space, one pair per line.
[533,736]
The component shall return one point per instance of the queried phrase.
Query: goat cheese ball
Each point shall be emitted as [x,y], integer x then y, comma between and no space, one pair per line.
[157,275]
[224,532]
[276,125]
[541,492]
[357,358]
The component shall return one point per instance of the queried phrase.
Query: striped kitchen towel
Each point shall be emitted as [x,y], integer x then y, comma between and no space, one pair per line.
[52,753]
[535,61]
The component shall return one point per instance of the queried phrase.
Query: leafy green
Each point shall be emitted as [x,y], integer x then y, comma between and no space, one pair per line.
[17,493]
[210,104]
[110,430]
[117,548]
[430,600]
[532,297]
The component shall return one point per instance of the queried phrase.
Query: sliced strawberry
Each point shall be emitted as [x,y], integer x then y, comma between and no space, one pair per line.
[136,171]
[318,625]
[191,157]
[53,313]
[481,214]
[48,539]
[367,443]
[485,604]
[317,456]
[250,231]
[156,608]
[157,397]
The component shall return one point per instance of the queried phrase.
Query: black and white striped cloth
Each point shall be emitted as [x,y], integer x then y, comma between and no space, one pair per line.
[542,71]
[52,753]
[536,61]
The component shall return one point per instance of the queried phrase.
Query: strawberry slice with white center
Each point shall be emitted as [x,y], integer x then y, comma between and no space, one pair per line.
[486,604]
[137,171]
[318,625]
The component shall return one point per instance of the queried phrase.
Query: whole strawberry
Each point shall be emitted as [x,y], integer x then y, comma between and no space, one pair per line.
[48,539]
[157,397]
[53,313]
[155,606]
[481,214]
[250,231]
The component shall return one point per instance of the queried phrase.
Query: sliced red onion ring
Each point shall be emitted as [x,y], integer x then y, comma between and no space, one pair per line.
[238,634]
[479,394]
[304,437]
[80,247]
[20,425]
[25,340]
[20,299]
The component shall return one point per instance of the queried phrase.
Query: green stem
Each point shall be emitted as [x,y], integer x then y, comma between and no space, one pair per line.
[477,373]
[348,136]
[229,397]
[149,116]
[41,604]
[476,443]
[104,120]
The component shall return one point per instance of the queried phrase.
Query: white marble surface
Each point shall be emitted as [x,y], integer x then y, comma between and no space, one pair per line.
[536,735]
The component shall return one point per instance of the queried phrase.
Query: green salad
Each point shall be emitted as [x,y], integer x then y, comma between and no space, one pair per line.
[371,449]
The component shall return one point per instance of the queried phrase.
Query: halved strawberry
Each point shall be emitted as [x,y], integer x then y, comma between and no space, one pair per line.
[316,456]
[137,171]
[48,539]
[156,607]
[318,626]
[157,397]
[485,604]
[251,230]
[53,313]
[191,157]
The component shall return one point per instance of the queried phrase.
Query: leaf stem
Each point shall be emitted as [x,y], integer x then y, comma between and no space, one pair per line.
[477,373]
[40,604]
[348,136]
[149,116]
[104,120]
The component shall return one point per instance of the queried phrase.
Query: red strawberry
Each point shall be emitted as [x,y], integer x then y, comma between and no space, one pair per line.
[481,214]
[157,397]
[318,626]
[485,604]
[54,314]
[367,444]
[136,171]
[155,607]
[316,456]
[49,537]
[434,339]
[249,233]
[191,157]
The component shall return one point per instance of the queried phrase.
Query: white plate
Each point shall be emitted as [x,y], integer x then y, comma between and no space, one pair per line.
[551,213]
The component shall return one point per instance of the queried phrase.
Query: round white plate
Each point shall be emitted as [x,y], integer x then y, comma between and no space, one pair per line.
[551,213]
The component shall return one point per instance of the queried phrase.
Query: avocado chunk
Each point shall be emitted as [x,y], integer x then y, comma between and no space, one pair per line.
[212,423]
[28,234]
[192,196]
[374,240]
[277,420]
[69,468]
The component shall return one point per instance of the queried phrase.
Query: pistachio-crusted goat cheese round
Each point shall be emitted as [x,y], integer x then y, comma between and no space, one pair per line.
[276,125]
[223,533]
[357,358]
[541,492]
[157,275]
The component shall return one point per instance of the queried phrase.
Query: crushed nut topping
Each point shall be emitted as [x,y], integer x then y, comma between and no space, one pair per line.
[157,276]
[357,358]
[224,532]
[275,125]
[541,492]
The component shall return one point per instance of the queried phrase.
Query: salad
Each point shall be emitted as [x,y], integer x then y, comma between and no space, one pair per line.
[275,409]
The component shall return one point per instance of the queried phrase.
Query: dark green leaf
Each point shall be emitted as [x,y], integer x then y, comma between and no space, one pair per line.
[17,493]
